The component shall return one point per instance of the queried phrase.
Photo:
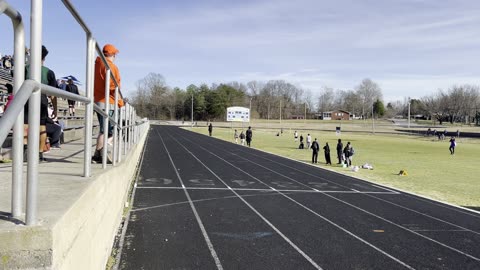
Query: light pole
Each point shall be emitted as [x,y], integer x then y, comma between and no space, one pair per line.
[409,112]
[280,111]
[305,118]
[192,109]
[250,111]
[373,121]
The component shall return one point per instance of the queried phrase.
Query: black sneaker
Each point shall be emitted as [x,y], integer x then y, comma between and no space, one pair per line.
[96,159]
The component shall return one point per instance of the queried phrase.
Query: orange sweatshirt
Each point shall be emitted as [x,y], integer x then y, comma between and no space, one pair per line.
[99,85]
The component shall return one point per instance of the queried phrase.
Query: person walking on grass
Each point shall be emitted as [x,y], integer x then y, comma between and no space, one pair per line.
[453,143]
[210,129]
[249,136]
[348,152]
[235,136]
[315,148]
[242,138]
[326,150]
[295,136]
[339,151]
[309,141]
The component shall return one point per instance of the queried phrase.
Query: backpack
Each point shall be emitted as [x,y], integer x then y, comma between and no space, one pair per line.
[352,151]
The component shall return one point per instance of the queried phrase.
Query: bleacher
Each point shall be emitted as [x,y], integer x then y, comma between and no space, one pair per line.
[73,125]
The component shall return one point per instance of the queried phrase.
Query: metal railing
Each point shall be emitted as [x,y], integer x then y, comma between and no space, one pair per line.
[30,90]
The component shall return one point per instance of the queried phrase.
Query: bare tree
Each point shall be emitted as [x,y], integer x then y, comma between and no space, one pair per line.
[326,99]
[368,91]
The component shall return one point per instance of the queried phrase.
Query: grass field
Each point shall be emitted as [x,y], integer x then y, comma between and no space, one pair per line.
[432,171]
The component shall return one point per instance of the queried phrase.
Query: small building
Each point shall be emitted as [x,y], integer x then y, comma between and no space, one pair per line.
[297,116]
[336,115]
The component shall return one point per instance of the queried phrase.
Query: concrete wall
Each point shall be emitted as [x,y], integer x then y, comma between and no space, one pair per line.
[83,237]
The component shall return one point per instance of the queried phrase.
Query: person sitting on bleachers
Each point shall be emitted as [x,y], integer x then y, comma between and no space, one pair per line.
[54,130]
[10,95]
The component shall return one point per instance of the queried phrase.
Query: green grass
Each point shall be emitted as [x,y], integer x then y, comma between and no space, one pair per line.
[432,171]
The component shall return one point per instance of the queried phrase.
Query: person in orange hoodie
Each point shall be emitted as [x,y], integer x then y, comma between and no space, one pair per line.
[110,52]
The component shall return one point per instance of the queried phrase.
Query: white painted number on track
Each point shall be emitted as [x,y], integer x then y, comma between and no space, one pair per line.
[202,182]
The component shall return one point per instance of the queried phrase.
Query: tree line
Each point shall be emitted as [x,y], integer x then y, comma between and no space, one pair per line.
[278,98]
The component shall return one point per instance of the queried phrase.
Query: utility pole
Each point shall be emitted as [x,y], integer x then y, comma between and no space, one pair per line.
[305,119]
[373,122]
[409,112]
[250,111]
[192,109]
[280,111]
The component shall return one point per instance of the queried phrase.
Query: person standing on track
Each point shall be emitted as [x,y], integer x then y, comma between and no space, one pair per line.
[210,129]
[339,151]
[315,148]
[249,136]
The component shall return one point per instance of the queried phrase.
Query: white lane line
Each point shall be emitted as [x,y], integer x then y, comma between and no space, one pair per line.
[204,200]
[317,214]
[310,260]
[372,214]
[384,188]
[440,230]
[132,200]
[197,217]
[273,189]
[393,192]
[456,208]
[426,215]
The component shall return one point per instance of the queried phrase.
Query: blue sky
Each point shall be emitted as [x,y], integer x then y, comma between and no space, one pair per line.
[409,47]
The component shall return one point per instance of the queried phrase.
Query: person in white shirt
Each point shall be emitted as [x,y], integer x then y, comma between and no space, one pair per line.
[309,141]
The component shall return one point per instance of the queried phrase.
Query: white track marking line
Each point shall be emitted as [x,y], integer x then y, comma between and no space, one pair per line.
[204,200]
[372,214]
[394,192]
[315,213]
[200,223]
[385,188]
[456,208]
[440,230]
[127,219]
[312,262]
[426,215]
[272,189]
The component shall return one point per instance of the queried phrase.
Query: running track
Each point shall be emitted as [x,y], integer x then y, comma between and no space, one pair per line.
[203,203]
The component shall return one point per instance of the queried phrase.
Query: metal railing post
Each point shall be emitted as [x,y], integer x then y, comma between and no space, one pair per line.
[34,112]
[18,79]
[115,129]
[120,135]
[87,158]
[106,119]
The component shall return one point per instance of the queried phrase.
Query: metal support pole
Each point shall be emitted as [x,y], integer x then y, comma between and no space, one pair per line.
[408,112]
[305,117]
[34,112]
[87,155]
[125,116]
[106,119]
[18,78]
[120,135]
[115,129]
[280,111]
[373,122]
[192,110]
[250,112]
